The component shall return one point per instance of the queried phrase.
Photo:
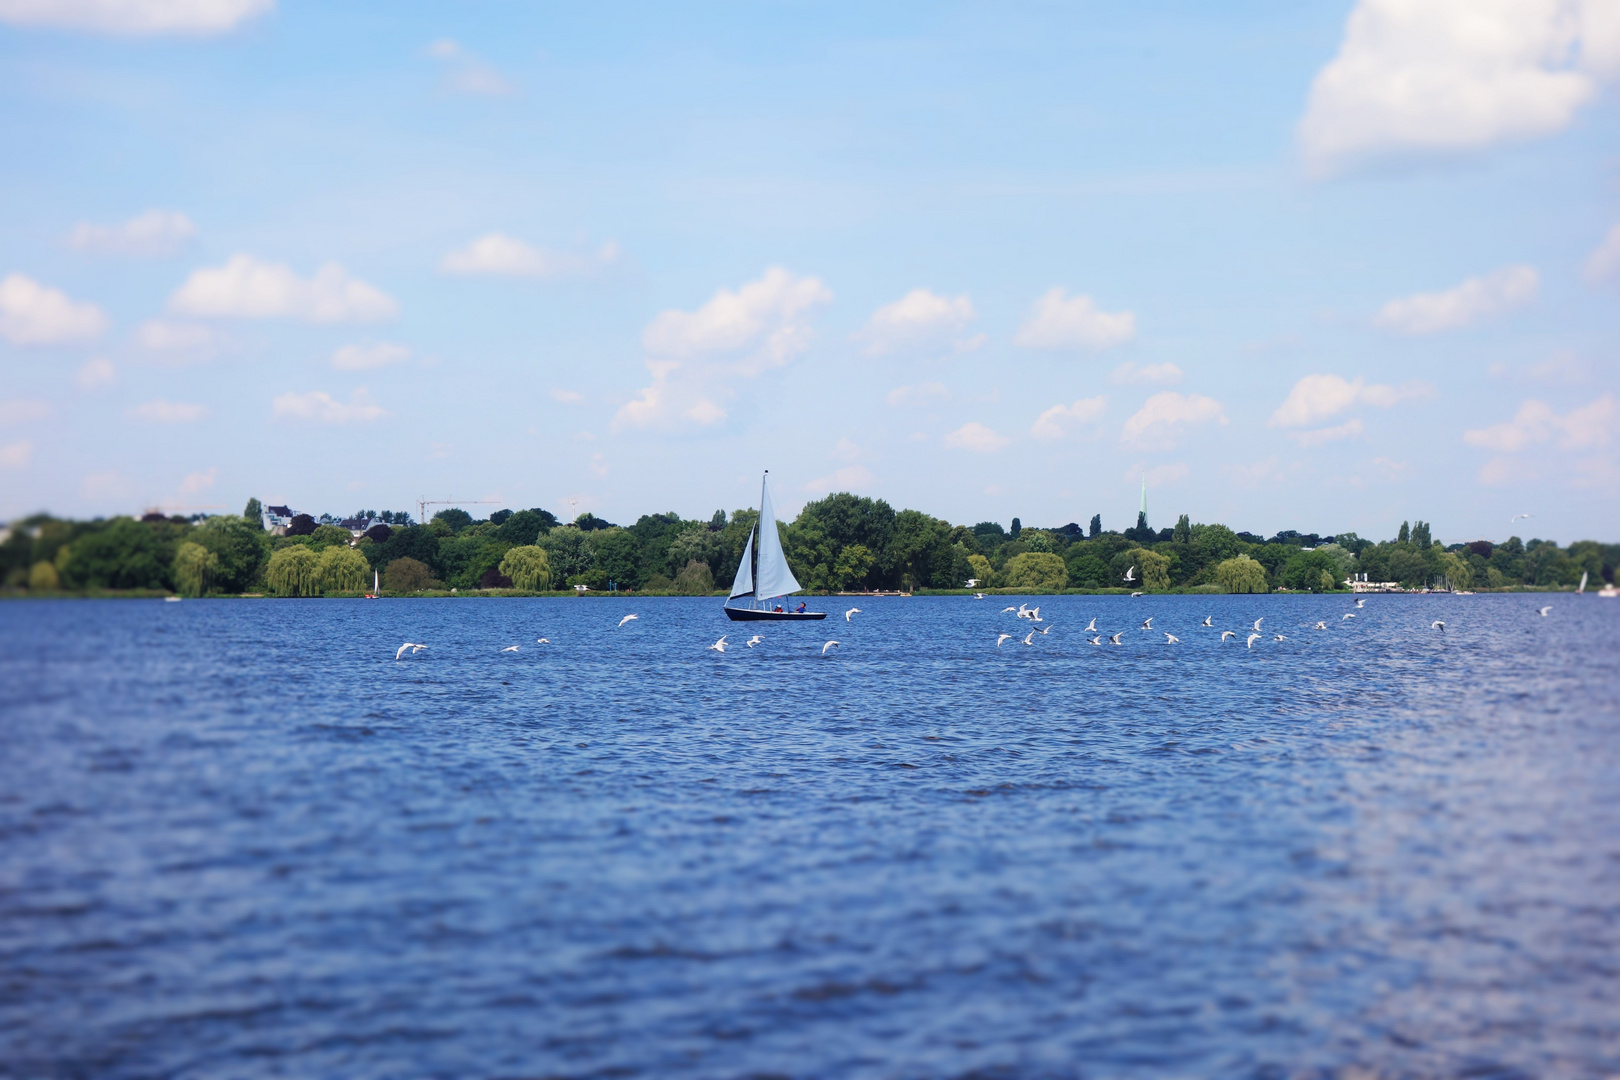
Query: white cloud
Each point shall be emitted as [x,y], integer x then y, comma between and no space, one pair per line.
[1317,397]
[1605,260]
[849,478]
[22,411]
[918,320]
[976,437]
[1061,322]
[249,288]
[915,395]
[35,314]
[1591,425]
[768,320]
[498,255]
[368,357]
[1476,298]
[1446,76]
[176,342]
[1060,420]
[1157,374]
[567,397]
[153,233]
[98,371]
[465,73]
[198,481]
[1322,436]
[16,455]
[135,17]
[168,412]
[1163,420]
[321,407]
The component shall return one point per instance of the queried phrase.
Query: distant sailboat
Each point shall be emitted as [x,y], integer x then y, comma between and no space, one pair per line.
[766,577]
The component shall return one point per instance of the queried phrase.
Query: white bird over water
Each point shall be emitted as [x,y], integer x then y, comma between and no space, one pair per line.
[827,646]
[1134,595]
[1043,629]
[411,645]
[1029,639]
[1096,640]
[1002,640]
[755,640]
[1130,575]
[1228,633]
[628,618]
[1546,611]
[1252,639]
[978,596]
[1091,627]
[510,648]
[1208,621]
[1361,603]
[720,646]
[1439,625]
[1007,609]
[1035,614]
[1147,623]
[851,612]
[1321,626]
[542,641]
[1278,637]
[1258,621]
[1113,639]
[1348,615]
[1169,638]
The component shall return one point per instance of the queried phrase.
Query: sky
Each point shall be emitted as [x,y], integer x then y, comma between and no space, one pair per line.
[1304,265]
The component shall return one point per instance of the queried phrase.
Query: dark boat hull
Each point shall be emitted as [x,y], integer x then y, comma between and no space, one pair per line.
[740,614]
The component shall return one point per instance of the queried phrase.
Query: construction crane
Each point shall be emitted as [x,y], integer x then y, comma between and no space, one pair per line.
[423,504]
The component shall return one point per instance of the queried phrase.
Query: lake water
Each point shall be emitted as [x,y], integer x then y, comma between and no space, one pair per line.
[240,839]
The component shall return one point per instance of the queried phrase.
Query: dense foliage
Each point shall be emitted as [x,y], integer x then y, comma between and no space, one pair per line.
[842,542]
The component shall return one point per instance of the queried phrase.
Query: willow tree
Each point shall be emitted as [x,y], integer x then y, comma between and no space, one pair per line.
[194,569]
[1241,575]
[292,571]
[529,567]
[1152,568]
[341,569]
[1035,570]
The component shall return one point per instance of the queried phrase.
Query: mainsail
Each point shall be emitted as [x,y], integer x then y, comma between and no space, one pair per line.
[772,577]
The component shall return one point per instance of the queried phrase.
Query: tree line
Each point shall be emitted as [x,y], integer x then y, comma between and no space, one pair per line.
[842,542]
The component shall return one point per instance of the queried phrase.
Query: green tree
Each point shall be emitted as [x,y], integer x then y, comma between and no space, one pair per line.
[1241,575]
[124,554]
[341,569]
[1038,540]
[1151,567]
[1405,535]
[569,550]
[695,579]
[1183,532]
[454,517]
[42,577]
[528,567]
[1455,568]
[194,569]
[1306,571]
[291,571]
[524,527]
[1096,526]
[242,550]
[1086,570]
[855,562]
[326,535]
[697,542]
[253,513]
[982,570]
[1035,570]
[408,575]
[1017,527]
[1407,567]
[1420,534]
[617,554]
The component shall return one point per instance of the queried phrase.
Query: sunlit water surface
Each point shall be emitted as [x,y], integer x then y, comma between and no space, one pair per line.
[240,839]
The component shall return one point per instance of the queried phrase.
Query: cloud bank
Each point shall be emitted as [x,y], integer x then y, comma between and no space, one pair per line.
[1060,321]
[1476,298]
[249,288]
[35,314]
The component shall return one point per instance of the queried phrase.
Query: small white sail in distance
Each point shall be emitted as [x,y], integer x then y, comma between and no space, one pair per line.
[744,585]
[772,577]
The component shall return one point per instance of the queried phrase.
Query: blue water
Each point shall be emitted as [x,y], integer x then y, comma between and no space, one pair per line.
[239,839]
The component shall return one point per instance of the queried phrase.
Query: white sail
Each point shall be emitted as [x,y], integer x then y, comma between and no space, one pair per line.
[744,585]
[773,577]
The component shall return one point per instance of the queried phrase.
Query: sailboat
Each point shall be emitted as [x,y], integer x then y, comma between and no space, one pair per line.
[764,574]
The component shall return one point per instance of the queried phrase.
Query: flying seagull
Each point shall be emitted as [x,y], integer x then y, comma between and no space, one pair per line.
[1258,621]
[1279,637]
[1007,609]
[1348,615]
[1043,629]
[1147,623]
[1002,640]
[1134,595]
[1546,611]
[1321,626]
[1029,639]
[1091,627]
[1169,638]
[1096,640]
[1439,625]
[1114,638]
[1252,639]
[720,646]
[755,640]
[1130,575]
[978,596]
[848,615]
[1516,517]
[415,648]
[827,646]
[1361,602]
[1035,614]
[542,641]
[627,618]
[1207,621]
[510,648]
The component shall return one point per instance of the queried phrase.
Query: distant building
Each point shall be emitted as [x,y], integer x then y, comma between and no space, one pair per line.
[356,526]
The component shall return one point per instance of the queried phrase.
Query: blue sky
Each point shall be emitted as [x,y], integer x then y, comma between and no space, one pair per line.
[1320,266]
